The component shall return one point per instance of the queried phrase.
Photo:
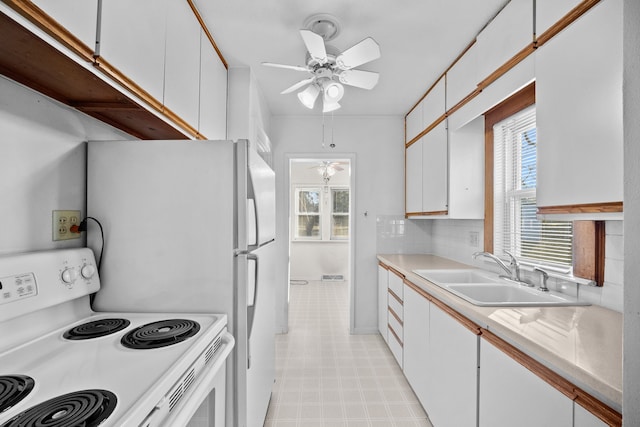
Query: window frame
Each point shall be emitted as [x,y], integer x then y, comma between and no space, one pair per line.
[297,213]
[333,214]
[325,213]
[589,236]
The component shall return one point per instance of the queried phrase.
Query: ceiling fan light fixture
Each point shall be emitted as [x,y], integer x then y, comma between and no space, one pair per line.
[333,91]
[308,96]
[330,106]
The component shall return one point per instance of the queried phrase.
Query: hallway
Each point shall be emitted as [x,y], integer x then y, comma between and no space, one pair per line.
[326,377]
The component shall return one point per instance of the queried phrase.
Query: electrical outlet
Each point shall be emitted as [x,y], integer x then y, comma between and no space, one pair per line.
[62,222]
[474,236]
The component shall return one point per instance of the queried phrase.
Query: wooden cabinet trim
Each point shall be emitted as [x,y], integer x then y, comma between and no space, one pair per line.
[565,21]
[207,33]
[396,272]
[395,335]
[393,313]
[383,265]
[504,68]
[427,129]
[52,27]
[584,399]
[419,290]
[393,294]
[434,213]
[606,207]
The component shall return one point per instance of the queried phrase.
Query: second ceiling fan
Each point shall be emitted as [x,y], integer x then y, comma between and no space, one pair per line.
[329,68]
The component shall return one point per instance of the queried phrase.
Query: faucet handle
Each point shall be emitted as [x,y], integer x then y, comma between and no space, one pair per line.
[544,277]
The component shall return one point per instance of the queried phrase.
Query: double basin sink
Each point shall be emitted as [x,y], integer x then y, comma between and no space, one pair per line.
[484,288]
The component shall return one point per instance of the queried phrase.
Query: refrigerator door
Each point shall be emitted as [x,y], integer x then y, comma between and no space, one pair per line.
[257,352]
[261,210]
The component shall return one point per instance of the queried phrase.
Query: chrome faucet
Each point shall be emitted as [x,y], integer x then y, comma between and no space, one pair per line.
[513,269]
[543,279]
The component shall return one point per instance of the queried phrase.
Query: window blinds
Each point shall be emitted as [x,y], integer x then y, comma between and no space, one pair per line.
[516,227]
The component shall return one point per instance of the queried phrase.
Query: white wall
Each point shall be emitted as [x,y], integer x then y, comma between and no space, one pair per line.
[376,144]
[42,166]
[631,89]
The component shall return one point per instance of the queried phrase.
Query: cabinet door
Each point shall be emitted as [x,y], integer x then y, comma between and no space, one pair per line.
[383,274]
[548,12]
[506,35]
[462,78]
[453,366]
[79,17]
[133,41]
[579,111]
[466,171]
[433,105]
[413,177]
[213,92]
[414,123]
[416,342]
[182,62]
[434,169]
[584,418]
[511,395]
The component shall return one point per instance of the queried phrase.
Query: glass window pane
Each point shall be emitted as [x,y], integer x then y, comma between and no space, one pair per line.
[340,227]
[308,226]
[309,201]
[340,201]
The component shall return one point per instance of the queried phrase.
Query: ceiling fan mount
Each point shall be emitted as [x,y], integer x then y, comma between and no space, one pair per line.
[330,68]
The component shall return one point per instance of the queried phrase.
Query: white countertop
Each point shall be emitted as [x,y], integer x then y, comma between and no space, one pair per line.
[581,344]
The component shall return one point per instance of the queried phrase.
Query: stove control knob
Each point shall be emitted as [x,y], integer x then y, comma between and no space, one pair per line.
[69,275]
[88,271]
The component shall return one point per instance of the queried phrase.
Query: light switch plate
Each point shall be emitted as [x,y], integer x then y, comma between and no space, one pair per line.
[62,222]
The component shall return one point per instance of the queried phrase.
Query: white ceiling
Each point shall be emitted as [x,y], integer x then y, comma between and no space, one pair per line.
[418,40]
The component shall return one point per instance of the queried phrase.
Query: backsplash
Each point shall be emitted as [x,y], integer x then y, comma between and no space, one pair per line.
[459,239]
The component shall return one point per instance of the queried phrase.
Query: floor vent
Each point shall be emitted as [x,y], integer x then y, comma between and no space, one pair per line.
[332,278]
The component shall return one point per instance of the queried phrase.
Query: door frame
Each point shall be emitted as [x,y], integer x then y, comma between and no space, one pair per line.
[351,157]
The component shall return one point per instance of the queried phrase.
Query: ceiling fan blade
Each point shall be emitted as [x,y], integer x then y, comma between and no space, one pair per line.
[315,45]
[359,78]
[363,52]
[289,67]
[297,86]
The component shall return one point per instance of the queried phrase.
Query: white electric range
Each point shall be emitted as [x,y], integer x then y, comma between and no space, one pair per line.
[61,364]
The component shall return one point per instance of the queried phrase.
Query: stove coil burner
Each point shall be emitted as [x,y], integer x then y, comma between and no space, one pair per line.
[95,329]
[14,388]
[160,334]
[87,408]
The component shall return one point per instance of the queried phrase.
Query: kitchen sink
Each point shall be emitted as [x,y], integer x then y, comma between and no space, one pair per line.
[484,288]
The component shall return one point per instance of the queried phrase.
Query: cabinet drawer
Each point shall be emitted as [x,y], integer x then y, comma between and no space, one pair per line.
[396,306]
[395,346]
[396,325]
[396,283]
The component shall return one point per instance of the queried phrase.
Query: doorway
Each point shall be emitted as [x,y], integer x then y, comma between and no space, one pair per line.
[321,224]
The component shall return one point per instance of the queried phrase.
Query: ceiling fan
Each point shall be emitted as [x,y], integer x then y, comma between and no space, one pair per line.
[327,169]
[329,68]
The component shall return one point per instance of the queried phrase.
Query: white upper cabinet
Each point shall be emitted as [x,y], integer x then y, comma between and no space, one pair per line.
[133,41]
[433,105]
[434,169]
[509,32]
[462,78]
[584,418]
[413,177]
[579,111]
[213,92]
[79,17]
[548,12]
[511,395]
[414,122]
[466,171]
[182,62]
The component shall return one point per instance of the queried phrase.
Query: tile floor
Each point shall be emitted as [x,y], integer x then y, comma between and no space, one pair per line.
[327,377]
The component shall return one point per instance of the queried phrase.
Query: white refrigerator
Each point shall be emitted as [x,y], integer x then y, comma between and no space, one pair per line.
[189,227]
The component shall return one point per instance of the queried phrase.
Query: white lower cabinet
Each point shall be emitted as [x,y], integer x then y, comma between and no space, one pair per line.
[511,395]
[452,391]
[383,284]
[416,342]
